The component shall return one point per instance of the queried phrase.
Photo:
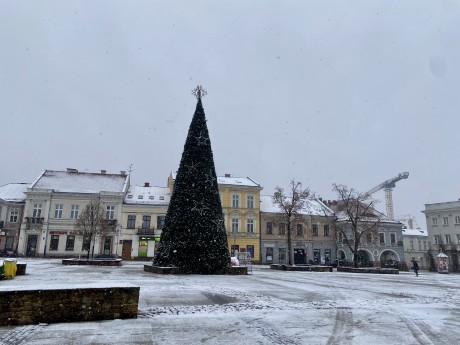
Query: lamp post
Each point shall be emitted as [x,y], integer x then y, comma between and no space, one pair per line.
[118,229]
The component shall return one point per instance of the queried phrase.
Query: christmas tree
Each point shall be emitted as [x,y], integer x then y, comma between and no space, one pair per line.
[194,236]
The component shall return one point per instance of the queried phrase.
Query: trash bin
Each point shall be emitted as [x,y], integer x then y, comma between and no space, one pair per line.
[10,268]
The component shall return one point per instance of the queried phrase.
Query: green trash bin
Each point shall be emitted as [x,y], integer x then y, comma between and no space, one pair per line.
[10,268]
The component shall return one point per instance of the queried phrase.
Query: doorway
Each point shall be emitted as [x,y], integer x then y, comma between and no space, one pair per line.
[32,245]
[126,249]
[300,257]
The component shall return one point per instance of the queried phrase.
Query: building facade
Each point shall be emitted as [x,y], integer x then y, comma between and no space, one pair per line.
[240,198]
[12,203]
[416,245]
[53,204]
[143,213]
[443,226]
[313,239]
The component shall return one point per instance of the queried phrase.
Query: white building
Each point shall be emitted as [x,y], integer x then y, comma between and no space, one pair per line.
[53,204]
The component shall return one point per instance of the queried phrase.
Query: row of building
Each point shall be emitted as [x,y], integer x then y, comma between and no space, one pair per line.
[37,219]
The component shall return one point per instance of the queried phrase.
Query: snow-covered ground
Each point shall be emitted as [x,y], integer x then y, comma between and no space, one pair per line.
[267,307]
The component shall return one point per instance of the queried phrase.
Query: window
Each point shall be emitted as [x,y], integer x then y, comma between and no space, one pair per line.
[458,238]
[70,242]
[131,221]
[447,237]
[250,225]
[235,201]
[282,255]
[110,213]
[74,212]
[160,222]
[434,221]
[146,222]
[382,238]
[314,229]
[58,211]
[393,239]
[250,250]
[282,229]
[419,245]
[299,230]
[235,249]
[445,220]
[369,237]
[326,229]
[250,201]
[235,225]
[54,242]
[14,214]
[424,245]
[340,237]
[457,219]
[269,254]
[436,239]
[269,228]
[37,210]
[412,244]
[152,197]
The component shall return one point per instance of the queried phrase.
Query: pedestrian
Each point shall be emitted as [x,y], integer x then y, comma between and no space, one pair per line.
[415,267]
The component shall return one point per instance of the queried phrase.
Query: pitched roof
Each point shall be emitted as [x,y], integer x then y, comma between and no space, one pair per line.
[148,195]
[415,232]
[237,181]
[313,206]
[14,192]
[72,181]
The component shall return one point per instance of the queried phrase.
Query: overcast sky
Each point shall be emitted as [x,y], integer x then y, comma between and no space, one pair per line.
[347,92]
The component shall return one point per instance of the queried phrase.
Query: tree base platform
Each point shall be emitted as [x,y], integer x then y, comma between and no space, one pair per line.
[232,270]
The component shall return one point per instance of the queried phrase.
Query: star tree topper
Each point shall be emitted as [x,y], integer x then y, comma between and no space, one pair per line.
[199,92]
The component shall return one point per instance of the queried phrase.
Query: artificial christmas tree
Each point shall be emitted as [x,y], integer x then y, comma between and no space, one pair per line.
[194,238]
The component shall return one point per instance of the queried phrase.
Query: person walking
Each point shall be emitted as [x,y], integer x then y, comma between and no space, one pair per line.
[415,267]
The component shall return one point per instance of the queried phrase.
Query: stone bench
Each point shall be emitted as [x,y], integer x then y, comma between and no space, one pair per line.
[27,306]
[232,270]
[93,262]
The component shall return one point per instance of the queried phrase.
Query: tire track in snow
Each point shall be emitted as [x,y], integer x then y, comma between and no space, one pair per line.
[342,333]
[268,332]
[422,333]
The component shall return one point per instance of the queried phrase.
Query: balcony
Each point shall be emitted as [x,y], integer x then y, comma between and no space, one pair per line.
[32,222]
[146,231]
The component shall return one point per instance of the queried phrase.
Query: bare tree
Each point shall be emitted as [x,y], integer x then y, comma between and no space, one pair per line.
[91,223]
[290,204]
[355,219]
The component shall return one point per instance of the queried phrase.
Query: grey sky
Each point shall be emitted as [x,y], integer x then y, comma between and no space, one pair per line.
[350,92]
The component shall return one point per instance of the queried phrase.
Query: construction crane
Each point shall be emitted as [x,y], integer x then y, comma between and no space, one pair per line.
[388,186]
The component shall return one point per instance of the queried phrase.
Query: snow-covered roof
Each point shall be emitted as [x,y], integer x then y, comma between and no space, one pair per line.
[14,192]
[415,232]
[237,181]
[77,182]
[313,206]
[148,195]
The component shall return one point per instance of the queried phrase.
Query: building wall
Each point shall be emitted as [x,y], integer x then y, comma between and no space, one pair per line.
[246,239]
[416,248]
[9,231]
[443,226]
[49,223]
[309,246]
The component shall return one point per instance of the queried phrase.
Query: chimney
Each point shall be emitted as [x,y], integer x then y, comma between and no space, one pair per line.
[227,175]
[72,170]
[123,173]
[146,184]
[320,198]
[103,172]
[410,222]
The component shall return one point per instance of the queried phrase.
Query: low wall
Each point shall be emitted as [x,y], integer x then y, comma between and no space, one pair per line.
[93,262]
[377,270]
[26,307]
[312,268]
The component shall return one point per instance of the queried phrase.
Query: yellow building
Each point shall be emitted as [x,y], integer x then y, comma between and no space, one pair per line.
[240,198]
[143,213]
